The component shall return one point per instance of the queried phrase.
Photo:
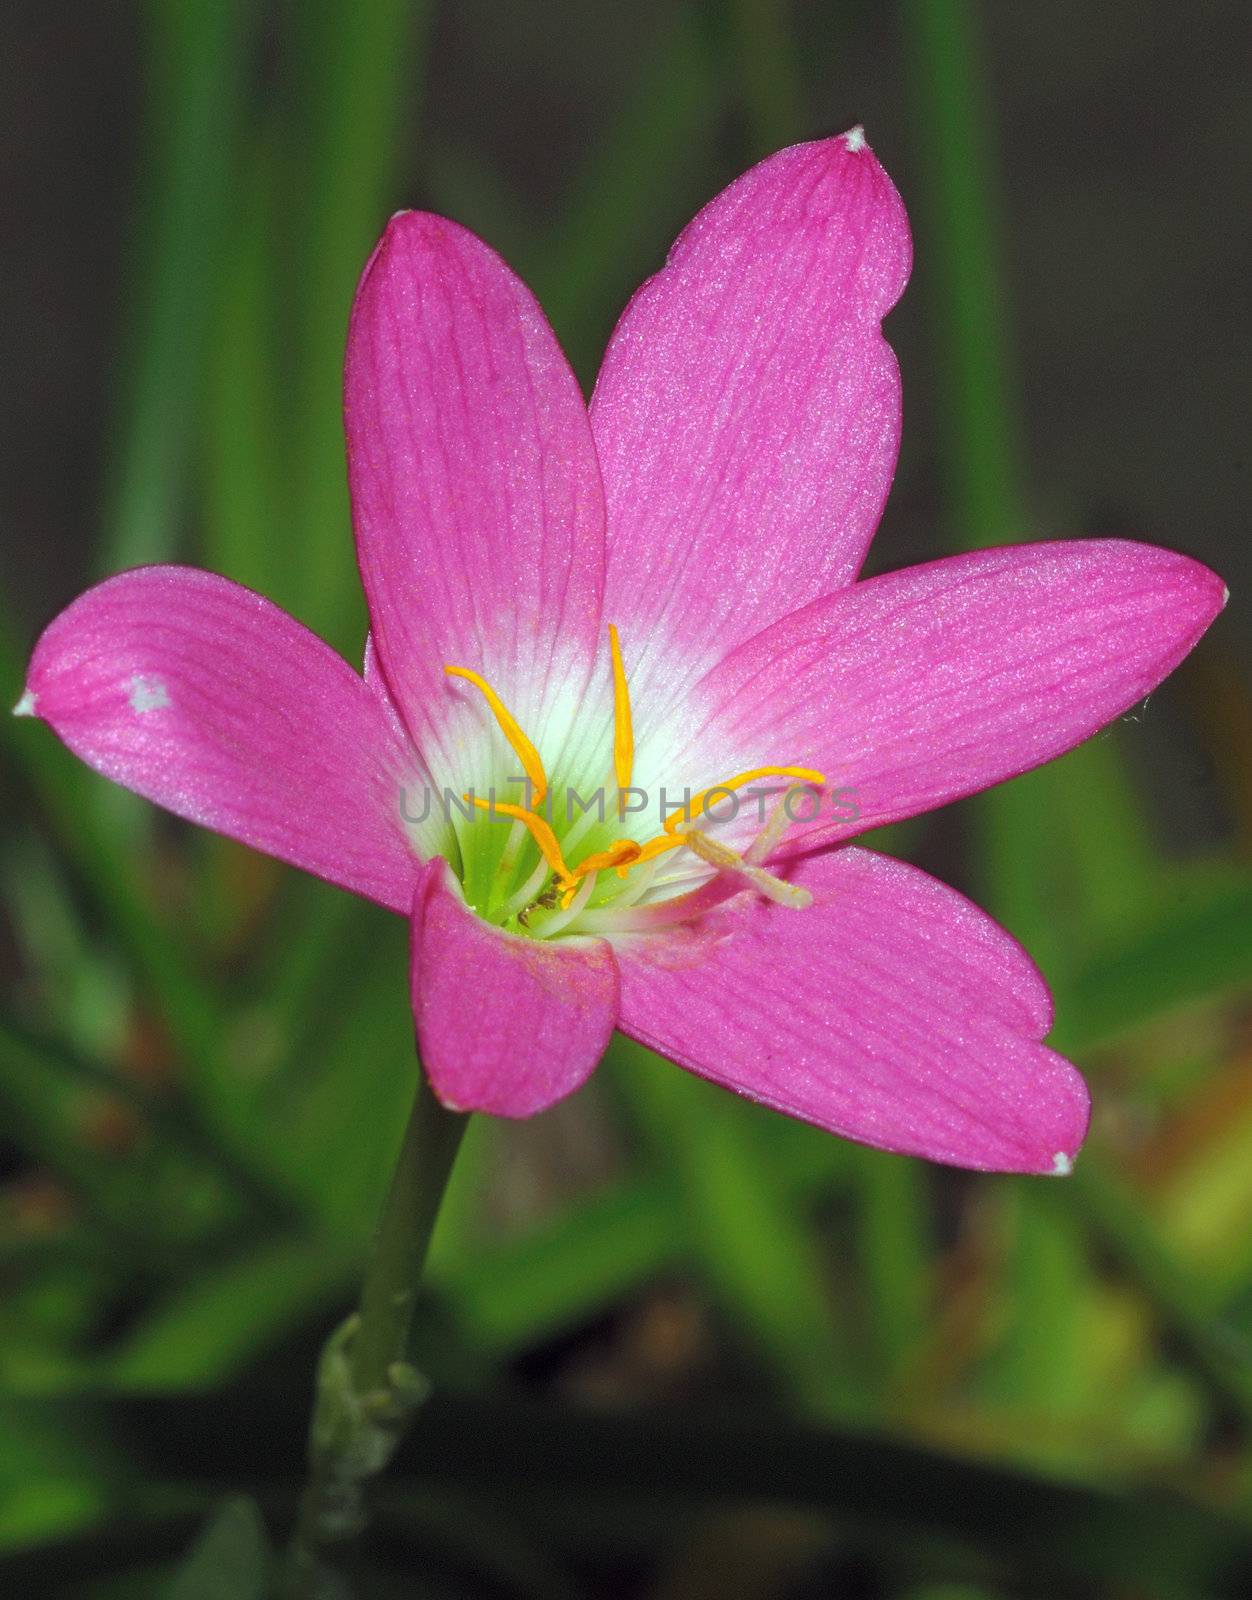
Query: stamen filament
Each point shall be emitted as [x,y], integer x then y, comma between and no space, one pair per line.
[637,885]
[512,849]
[572,903]
[658,847]
[622,853]
[540,832]
[772,832]
[694,808]
[526,753]
[727,860]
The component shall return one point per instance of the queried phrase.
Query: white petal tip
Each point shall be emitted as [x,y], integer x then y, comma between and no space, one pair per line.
[25,706]
[854,139]
[1225,595]
[1062,1165]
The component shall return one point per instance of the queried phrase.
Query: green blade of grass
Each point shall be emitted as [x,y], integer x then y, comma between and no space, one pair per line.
[1083,815]
[230,1559]
[894,1232]
[564,1272]
[980,415]
[633,194]
[246,494]
[208,1329]
[1068,861]
[360,82]
[197,72]
[1187,1305]
[40,1061]
[1194,945]
[984,456]
[755,1251]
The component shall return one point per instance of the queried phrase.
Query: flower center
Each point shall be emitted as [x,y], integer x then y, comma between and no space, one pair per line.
[556,894]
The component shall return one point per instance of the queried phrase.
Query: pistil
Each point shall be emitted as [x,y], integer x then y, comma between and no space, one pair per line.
[574,886]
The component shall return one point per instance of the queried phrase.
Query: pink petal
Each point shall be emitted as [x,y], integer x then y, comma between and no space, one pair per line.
[420,809]
[892,1011]
[747,415]
[913,689]
[504,1024]
[209,700]
[376,680]
[475,490]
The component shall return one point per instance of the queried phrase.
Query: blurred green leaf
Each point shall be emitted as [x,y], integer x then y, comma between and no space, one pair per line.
[197,75]
[31,1066]
[632,195]
[248,513]
[753,1246]
[230,1560]
[595,1253]
[980,413]
[55,785]
[358,88]
[893,1225]
[340,1101]
[65,972]
[591,1254]
[210,1328]
[1185,1303]
[187,1004]
[54,1472]
[1196,945]
[1040,1362]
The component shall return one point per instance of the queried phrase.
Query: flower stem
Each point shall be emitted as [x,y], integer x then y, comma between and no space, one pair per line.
[367,1392]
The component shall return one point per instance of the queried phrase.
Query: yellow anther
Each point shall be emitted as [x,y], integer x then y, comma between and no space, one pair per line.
[623,729]
[511,729]
[540,832]
[658,847]
[622,853]
[694,808]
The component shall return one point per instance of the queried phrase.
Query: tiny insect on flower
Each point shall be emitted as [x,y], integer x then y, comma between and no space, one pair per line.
[656,592]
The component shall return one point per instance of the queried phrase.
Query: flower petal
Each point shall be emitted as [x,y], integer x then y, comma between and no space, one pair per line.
[504,1024]
[913,689]
[892,1011]
[207,699]
[376,680]
[475,491]
[747,414]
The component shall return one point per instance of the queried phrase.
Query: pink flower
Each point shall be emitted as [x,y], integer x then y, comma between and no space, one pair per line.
[714,506]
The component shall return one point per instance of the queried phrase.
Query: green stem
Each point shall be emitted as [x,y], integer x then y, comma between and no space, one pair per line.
[367,1392]
[401,1244]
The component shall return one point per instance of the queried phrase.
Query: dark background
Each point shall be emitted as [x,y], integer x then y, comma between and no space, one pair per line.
[1123,171]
